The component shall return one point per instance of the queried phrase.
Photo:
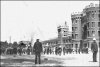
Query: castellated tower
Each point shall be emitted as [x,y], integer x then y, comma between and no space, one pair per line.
[76,29]
[91,21]
[86,25]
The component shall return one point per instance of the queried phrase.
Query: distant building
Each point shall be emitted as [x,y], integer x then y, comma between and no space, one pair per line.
[63,34]
[86,25]
[63,30]
[63,39]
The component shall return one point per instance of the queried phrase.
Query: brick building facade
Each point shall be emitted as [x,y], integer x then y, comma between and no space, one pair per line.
[86,25]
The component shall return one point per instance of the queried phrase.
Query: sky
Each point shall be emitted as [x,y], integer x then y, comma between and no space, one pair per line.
[23,20]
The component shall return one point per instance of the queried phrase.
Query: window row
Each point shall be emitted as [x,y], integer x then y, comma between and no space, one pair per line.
[65,31]
[74,36]
[74,28]
[90,33]
[76,18]
[90,24]
[94,11]
[76,21]
[66,40]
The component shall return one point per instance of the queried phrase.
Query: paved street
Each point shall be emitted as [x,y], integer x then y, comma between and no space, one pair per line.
[53,60]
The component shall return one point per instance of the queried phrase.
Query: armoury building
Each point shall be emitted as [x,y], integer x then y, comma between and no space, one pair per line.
[86,26]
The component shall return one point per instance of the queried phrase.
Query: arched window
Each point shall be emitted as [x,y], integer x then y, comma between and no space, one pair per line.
[76,45]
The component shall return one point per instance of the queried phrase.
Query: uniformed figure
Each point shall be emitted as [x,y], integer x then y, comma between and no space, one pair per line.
[15,48]
[28,50]
[64,50]
[20,50]
[37,49]
[94,49]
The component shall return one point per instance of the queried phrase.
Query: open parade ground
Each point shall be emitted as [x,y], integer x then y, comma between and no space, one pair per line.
[66,33]
[49,60]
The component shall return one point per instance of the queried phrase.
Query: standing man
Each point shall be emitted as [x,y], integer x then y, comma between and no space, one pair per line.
[15,45]
[94,49]
[37,49]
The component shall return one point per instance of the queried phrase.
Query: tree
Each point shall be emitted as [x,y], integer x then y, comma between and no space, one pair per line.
[3,45]
[15,45]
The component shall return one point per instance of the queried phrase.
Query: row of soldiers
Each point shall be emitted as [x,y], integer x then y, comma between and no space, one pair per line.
[64,50]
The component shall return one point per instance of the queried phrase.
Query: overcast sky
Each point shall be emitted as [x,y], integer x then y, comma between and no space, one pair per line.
[23,19]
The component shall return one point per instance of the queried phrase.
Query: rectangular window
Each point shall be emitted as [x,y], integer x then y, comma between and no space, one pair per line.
[72,28]
[75,28]
[93,32]
[93,15]
[66,40]
[99,15]
[99,33]
[89,24]
[76,20]
[72,36]
[98,24]
[88,33]
[65,35]
[93,24]
[76,36]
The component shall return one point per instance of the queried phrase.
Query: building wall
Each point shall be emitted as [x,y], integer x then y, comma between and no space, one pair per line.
[88,25]
[54,42]
[76,29]
[92,21]
[63,31]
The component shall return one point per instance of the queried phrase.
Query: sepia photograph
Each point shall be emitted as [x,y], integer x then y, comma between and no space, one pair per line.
[59,33]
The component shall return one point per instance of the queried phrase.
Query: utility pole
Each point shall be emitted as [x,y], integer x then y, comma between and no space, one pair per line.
[32,35]
[10,39]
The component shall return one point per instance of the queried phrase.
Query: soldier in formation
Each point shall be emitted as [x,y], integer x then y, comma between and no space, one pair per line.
[37,49]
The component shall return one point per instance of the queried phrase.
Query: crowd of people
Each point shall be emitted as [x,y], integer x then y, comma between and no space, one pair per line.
[15,48]
[58,50]
[21,48]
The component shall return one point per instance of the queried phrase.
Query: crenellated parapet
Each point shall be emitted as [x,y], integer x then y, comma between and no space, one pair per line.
[92,5]
[92,8]
[76,15]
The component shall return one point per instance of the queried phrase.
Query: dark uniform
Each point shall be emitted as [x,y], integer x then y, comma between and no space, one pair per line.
[37,49]
[94,49]
[15,48]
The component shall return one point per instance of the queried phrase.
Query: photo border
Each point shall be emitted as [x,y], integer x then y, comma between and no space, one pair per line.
[45,0]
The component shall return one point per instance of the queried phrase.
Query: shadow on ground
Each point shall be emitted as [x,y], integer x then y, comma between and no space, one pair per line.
[10,61]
